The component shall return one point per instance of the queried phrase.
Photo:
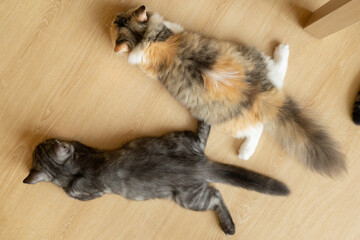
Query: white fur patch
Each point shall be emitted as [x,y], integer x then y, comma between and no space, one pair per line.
[137,56]
[277,68]
[252,135]
[221,77]
[174,27]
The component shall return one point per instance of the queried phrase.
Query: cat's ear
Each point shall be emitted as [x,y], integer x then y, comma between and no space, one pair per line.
[140,14]
[35,177]
[122,47]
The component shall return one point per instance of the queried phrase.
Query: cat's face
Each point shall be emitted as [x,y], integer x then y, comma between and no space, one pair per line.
[52,160]
[128,29]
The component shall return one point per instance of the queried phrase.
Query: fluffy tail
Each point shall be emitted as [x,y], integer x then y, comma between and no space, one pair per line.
[307,140]
[241,177]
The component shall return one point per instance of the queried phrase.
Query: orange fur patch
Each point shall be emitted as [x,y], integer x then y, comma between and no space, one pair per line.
[265,108]
[225,80]
[159,53]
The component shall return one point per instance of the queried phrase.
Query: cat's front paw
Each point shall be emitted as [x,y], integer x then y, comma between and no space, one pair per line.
[281,52]
[136,56]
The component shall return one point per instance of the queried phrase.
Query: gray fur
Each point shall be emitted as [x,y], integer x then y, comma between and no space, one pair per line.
[172,166]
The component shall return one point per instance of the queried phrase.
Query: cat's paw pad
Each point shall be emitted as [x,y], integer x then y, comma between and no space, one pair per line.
[245,152]
[281,52]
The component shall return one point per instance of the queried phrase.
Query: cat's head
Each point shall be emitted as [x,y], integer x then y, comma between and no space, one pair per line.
[128,28]
[53,161]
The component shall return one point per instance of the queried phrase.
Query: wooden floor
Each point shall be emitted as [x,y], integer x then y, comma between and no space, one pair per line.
[59,77]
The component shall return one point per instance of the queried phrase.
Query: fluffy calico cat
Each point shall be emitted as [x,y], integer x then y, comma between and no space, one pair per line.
[231,86]
[172,166]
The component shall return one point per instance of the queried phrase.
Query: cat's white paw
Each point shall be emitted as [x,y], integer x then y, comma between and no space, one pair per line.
[245,152]
[174,27]
[136,56]
[281,52]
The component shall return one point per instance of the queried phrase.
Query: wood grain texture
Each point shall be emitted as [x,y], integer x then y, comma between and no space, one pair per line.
[60,78]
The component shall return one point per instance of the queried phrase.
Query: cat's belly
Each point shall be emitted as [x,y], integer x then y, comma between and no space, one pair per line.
[140,192]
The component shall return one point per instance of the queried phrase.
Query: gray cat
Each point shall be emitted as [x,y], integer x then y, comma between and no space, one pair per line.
[172,166]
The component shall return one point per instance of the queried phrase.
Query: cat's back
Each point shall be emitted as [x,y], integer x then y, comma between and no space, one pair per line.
[198,47]
[170,143]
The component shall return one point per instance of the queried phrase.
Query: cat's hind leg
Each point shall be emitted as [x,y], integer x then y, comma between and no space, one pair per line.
[203,132]
[202,197]
[252,135]
[277,67]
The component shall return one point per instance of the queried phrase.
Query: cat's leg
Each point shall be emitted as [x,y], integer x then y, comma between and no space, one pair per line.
[203,134]
[154,26]
[137,55]
[82,189]
[277,67]
[252,135]
[174,27]
[202,197]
